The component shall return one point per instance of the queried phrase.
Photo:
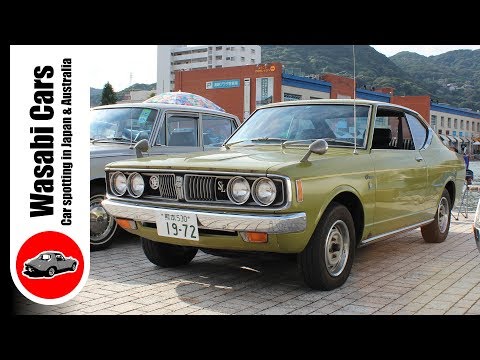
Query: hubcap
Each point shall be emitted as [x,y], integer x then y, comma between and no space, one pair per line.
[101,224]
[443,213]
[51,272]
[337,248]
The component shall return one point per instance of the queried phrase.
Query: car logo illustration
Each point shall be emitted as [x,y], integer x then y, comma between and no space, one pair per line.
[48,264]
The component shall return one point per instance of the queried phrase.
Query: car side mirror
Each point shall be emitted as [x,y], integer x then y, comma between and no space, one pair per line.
[319,147]
[141,147]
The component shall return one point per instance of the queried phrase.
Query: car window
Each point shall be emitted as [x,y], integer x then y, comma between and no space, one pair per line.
[59,257]
[121,124]
[392,131]
[45,257]
[180,130]
[216,129]
[419,132]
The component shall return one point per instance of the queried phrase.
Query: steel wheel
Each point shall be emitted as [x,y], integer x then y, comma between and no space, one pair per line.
[337,248]
[443,214]
[51,272]
[102,225]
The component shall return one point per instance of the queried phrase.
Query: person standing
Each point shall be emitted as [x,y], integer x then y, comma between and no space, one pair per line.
[466,158]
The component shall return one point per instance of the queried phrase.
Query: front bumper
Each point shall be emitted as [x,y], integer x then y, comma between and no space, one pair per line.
[271,224]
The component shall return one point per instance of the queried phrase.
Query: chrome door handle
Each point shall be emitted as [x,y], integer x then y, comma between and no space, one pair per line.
[419,158]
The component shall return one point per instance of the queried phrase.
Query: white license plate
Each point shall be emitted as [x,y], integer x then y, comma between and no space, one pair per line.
[177,224]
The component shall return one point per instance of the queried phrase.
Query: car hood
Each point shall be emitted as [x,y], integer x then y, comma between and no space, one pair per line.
[105,149]
[246,159]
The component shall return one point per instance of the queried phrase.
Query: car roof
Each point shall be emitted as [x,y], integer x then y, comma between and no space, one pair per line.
[160,106]
[338,102]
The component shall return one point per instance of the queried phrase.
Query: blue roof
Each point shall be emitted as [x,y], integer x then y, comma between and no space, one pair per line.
[306,83]
[454,111]
[372,95]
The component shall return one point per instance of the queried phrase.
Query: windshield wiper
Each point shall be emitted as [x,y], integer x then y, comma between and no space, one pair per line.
[111,138]
[255,140]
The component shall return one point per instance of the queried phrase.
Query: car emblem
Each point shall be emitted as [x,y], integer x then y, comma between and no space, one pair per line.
[179,187]
[154,182]
[221,186]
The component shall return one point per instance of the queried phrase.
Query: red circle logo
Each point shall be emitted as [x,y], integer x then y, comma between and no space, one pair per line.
[50,265]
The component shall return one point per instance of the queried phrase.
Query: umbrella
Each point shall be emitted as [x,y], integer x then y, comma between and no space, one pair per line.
[476,143]
[184,98]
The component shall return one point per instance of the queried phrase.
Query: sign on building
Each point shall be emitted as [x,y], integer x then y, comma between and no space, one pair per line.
[222,84]
[264,91]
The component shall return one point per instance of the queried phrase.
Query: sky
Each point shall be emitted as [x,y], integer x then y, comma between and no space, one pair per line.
[116,63]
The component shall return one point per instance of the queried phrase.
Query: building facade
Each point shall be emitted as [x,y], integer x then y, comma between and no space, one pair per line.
[171,58]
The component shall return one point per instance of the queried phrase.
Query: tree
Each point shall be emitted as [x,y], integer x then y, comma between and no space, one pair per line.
[108,95]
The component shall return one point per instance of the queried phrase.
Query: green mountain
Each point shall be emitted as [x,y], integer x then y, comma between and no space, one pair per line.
[96,94]
[453,77]
[408,73]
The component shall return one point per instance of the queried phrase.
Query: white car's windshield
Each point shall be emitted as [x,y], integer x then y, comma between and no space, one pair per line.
[335,123]
[121,124]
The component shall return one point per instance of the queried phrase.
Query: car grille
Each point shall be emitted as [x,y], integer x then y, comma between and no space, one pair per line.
[200,188]
[166,186]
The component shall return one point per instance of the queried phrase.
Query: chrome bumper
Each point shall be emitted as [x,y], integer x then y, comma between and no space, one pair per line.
[272,224]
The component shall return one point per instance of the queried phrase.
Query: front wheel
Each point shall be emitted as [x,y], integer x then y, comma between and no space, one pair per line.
[326,261]
[437,231]
[166,255]
[102,226]
[74,266]
[51,271]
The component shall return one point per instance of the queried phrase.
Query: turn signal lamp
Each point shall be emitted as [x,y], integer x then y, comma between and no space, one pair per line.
[127,224]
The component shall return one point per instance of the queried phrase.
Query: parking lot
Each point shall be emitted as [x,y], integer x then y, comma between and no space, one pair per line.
[399,275]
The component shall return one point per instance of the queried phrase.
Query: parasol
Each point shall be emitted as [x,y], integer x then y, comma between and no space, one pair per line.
[184,98]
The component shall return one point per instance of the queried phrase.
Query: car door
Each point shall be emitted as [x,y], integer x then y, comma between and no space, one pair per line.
[215,130]
[178,132]
[61,263]
[400,173]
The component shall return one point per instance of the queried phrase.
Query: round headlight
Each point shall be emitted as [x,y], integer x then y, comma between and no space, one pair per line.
[238,190]
[136,185]
[264,191]
[118,183]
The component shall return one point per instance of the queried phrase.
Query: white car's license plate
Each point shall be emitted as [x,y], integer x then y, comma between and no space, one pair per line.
[177,224]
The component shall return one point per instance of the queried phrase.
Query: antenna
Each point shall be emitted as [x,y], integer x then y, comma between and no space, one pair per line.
[355,152]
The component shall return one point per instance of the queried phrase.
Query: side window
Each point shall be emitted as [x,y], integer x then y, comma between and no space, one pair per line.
[419,132]
[216,129]
[392,131]
[59,257]
[179,130]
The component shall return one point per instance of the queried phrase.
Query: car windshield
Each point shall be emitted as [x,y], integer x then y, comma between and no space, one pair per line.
[130,124]
[45,257]
[335,123]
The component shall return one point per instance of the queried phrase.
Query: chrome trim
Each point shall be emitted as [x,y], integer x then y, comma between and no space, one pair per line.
[254,191]
[379,237]
[112,183]
[218,204]
[197,187]
[229,190]
[271,224]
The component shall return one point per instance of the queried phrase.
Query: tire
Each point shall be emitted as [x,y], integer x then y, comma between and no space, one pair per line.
[103,227]
[74,266]
[335,232]
[166,255]
[51,271]
[437,231]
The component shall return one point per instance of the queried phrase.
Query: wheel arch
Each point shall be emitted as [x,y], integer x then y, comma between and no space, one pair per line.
[450,186]
[348,197]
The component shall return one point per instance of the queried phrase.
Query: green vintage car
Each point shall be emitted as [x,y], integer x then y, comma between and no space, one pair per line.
[314,178]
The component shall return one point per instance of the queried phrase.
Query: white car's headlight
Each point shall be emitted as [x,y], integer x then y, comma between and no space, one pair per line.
[238,190]
[118,183]
[264,191]
[477,216]
[136,185]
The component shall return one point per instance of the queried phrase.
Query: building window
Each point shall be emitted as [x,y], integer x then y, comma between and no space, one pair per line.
[232,48]
[462,124]
[449,122]
[218,57]
[243,48]
[454,133]
[447,132]
[478,127]
[439,131]
[243,58]
[252,61]
[218,66]
[455,123]
[433,121]
[291,97]
[218,48]
[232,58]
[468,125]
[442,121]
[252,51]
